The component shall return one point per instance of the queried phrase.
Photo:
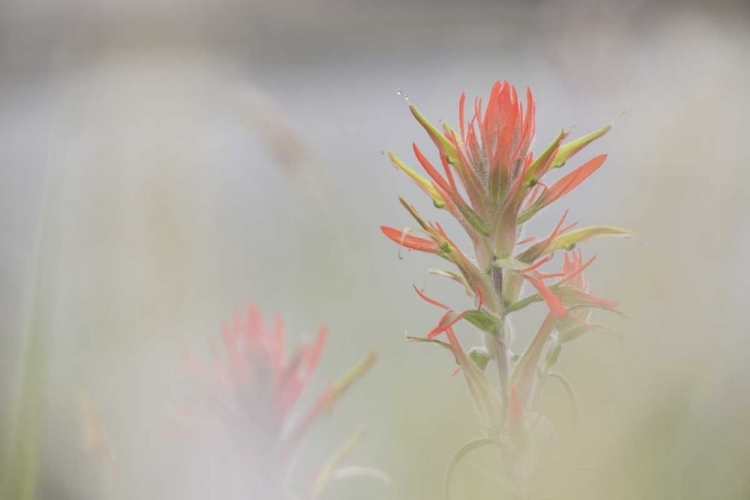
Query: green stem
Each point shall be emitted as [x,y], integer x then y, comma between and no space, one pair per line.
[501,360]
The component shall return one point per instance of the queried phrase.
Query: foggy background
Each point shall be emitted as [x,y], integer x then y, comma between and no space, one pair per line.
[198,156]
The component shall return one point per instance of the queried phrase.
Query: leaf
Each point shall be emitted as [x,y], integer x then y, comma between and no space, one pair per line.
[355,373]
[571,148]
[570,334]
[511,263]
[479,224]
[413,211]
[422,182]
[456,277]
[569,240]
[541,164]
[442,142]
[444,345]
[574,297]
[484,320]
[553,354]
[521,304]
[480,356]
[326,473]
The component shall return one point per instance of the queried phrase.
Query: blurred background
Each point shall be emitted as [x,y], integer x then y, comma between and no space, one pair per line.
[187,158]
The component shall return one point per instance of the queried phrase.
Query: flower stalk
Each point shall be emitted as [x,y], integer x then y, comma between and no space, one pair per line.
[491,182]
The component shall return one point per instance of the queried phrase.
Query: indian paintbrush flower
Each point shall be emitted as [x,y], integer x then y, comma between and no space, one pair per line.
[491,182]
[252,389]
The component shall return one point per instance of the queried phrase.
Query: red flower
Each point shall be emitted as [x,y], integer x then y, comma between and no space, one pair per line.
[487,178]
[253,387]
[491,161]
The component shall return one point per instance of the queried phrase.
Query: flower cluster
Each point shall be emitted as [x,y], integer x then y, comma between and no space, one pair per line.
[252,391]
[488,179]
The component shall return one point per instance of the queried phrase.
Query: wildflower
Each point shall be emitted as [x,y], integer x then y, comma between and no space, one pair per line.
[492,183]
[253,389]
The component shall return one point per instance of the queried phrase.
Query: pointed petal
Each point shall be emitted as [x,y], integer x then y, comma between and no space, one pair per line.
[316,349]
[408,241]
[554,303]
[429,300]
[432,171]
[570,181]
[446,322]
[579,298]
[542,163]
[442,143]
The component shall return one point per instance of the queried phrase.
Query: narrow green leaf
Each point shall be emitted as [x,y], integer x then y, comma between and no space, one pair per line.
[442,142]
[415,214]
[571,148]
[553,354]
[479,224]
[480,356]
[444,345]
[356,372]
[484,320]
[539,167]
[424,183]
[569,240]
[455,277]
[325,474]
[511,263]
[521,304]
[569,334]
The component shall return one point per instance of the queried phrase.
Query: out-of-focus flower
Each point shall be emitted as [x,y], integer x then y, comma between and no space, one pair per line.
[251,390]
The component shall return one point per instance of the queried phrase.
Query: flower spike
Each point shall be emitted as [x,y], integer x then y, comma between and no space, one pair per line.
[492,184]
